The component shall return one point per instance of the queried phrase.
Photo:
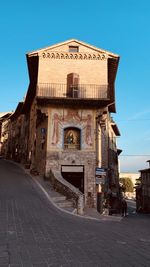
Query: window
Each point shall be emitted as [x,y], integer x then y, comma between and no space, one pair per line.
[72,138]
[73,49]
[72,85]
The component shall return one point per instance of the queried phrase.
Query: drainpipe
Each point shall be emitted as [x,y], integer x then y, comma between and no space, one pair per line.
[99,150]
[108,143]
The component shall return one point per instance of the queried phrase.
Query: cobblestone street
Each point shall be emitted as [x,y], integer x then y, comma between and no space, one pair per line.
[35,233]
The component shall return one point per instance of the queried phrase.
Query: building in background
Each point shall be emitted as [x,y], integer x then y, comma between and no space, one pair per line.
[4,125]
[143,191]
[18,135]
[133,177]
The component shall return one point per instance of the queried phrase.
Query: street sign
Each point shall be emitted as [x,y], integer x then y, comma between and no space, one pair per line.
[100,171]
[100,180]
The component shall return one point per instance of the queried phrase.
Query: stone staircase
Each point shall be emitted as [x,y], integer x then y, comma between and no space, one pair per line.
[56,198]
[63,194]
[66,189]
[63,203]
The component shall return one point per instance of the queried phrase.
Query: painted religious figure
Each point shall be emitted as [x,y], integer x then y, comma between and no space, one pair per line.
[55,136]
[89,130]
[72,115]
[70,138]
[76,125]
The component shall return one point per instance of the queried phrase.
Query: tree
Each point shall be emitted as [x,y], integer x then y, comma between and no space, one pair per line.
[127,185]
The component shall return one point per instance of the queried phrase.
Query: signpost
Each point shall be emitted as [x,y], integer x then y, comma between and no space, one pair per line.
[100,171]
[100,180]
[100,175]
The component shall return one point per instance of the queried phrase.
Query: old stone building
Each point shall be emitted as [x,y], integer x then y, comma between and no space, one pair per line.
[4,131]
[64,127]
[143,191]
[68,104]
[17,135]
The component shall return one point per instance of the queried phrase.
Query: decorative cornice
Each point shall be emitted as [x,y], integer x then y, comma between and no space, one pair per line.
[66,55]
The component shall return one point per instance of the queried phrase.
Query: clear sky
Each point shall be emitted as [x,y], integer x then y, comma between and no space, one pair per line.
[122,27]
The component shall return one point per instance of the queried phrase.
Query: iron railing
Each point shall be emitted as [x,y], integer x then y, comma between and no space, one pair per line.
[83,91]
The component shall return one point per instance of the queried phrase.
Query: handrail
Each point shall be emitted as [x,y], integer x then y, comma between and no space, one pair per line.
[70,191]
[77,91]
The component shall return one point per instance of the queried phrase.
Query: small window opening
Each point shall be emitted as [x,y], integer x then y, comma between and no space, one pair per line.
[73,49]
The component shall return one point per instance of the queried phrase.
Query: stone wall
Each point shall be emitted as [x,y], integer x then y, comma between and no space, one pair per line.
[76,158]
[65,188]
[32,134]
[41,144]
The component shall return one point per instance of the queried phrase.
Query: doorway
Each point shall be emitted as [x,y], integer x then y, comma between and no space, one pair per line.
[74,175]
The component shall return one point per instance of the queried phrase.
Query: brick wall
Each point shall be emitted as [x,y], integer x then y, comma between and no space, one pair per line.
[55,70]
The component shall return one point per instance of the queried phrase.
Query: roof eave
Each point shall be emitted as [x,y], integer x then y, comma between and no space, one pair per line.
[77,41]
[115,129]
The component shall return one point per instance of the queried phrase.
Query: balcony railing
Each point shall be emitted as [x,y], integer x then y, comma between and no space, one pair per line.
[82,91]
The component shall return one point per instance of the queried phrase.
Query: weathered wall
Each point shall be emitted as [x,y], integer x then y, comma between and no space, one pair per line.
[76,158]
[32,133]
[41,144]
[86,156]
[61,118]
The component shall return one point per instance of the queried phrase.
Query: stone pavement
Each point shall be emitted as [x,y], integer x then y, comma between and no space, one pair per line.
[34,233]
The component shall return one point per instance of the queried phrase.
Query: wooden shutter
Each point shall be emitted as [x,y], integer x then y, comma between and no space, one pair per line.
[72,81]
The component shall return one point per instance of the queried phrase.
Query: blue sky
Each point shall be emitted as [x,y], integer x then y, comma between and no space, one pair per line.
[122,27]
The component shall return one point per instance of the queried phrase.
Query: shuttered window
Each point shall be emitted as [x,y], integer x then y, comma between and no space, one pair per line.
[72,85]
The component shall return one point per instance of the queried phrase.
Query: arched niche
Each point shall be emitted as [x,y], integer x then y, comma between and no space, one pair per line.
[72,137]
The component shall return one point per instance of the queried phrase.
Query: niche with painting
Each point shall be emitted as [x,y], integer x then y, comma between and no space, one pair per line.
[72,138]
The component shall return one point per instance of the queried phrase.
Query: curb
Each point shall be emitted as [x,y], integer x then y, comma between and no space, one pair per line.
[104,218]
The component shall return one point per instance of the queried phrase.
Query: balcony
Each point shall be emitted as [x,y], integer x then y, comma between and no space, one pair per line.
[80,93]
[89,91]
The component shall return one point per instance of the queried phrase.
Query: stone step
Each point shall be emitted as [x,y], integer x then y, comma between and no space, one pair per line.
[65,204]
[72,209]
[59,198]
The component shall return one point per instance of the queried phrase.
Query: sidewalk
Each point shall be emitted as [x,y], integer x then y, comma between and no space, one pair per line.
[52,195]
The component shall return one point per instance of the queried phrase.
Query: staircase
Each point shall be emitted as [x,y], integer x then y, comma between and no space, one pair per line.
[63,203]
[63,187]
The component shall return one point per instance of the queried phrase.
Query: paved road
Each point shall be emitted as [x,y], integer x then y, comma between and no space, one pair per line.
[131,206]
[34,233]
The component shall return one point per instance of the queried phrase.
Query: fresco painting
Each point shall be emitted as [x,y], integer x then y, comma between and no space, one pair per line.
[62,119]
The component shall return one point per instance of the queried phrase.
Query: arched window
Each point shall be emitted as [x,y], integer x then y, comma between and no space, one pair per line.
[72,138]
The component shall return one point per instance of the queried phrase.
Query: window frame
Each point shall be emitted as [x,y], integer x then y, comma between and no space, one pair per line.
[73,48]
[71,146]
